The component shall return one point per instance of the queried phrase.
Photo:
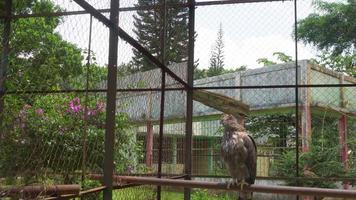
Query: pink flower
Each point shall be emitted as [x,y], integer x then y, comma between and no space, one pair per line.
[100,106]
[39,111]
[74,106]
[91,112]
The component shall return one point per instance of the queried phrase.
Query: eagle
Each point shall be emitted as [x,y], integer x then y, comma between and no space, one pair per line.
[238,150]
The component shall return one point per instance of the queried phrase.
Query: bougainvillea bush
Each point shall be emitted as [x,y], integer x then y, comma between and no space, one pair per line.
[47,138]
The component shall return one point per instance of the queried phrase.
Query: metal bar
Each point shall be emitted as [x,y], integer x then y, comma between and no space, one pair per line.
[136,8]
[189,112]
[123,35]
[85,131]
[82,193]
[111,102]
[96,177]
[252,188]
[225,2]
[163,30]
[35,191]
[4,62]
[296,95]
[176,89]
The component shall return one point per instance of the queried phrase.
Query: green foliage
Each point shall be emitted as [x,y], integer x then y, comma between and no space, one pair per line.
[204,194]
[148,26]
[48,136]
[278,128]
[332,30]
[134,193]
[265,62]
[39,58]
[280,57]
[322,160]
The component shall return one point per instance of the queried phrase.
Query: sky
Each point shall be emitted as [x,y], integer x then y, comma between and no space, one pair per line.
[250,31]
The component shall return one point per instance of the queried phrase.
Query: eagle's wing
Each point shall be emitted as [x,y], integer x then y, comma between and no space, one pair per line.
[251,159]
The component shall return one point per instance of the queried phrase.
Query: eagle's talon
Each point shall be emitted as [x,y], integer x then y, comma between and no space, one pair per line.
[242,183]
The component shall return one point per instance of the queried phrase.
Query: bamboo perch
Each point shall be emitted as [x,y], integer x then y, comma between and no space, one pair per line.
[35,191]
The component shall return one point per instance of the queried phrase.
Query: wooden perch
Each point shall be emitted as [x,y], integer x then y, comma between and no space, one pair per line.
[221,102]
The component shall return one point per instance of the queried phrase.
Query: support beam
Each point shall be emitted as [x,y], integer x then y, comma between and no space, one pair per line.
[320,192]
[111,103]
[127,38]
[4,60]
[189,109]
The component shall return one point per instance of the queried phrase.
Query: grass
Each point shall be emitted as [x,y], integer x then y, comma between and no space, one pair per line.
[148,193]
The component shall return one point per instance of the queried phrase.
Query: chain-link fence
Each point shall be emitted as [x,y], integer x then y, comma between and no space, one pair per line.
[292,63]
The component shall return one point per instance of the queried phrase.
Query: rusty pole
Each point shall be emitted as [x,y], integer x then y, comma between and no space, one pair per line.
[111,102]
[189,111]
[4,60]
[163,86]
[321,192]
[36,191]
[296,94]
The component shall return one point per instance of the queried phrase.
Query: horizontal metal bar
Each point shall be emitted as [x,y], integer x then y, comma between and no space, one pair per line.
[136,8]
[273,86]
[35,191]
[307,191]
[116,187]
[82,193]
[178,89]
[90,91]
[342,179]
[225,2]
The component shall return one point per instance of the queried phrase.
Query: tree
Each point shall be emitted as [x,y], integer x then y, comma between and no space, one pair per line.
[217,56]
[148,26]
[282,57]
[40,59]
[332,30]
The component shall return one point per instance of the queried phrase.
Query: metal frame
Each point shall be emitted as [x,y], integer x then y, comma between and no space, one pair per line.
[126,9]
[252,188]
[115,32]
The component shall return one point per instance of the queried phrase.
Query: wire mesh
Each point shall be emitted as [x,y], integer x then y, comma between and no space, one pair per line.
[51,134]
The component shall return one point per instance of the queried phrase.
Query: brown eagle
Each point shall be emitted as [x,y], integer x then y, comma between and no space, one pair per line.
[238,151]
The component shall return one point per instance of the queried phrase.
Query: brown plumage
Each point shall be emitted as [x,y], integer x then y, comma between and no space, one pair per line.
[238,151]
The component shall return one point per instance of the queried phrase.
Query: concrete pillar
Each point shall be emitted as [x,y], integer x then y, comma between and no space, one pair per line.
[342,127]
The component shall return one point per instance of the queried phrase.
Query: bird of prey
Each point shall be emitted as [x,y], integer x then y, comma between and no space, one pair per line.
[238,151]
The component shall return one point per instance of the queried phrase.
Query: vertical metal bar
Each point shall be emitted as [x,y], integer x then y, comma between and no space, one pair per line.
[111,103]
[296,94]
[189,111]
[4,57]
[163,32]
[85,133]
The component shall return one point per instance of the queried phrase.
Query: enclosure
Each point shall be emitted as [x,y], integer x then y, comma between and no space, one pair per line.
[99,97]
